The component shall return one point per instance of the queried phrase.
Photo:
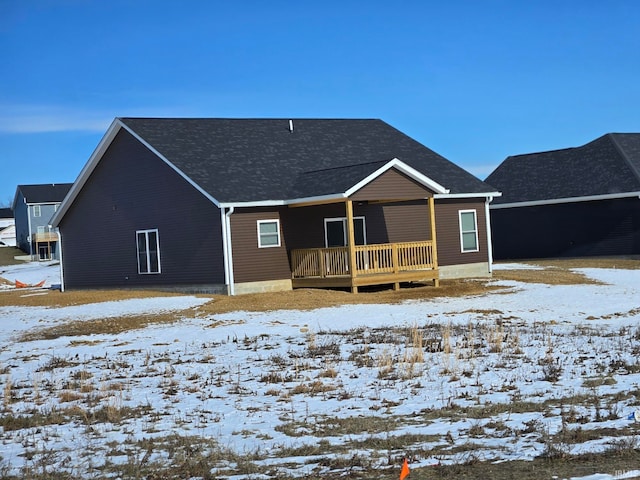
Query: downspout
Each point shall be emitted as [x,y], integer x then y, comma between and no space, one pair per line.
[227,250]
[489,242]
[60,254]
[29,234]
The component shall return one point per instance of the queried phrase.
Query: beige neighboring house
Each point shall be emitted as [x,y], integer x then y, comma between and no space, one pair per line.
[7,228]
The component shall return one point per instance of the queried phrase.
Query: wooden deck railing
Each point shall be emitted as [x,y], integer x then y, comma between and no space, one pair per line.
[370,259]
[44,237]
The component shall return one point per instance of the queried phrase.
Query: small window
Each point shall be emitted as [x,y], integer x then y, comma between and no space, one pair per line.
[36,211]
[468,231]
[148,245]
[268,233]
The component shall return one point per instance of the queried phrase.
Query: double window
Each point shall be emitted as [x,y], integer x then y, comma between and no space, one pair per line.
[468,231]
[148,245]
[268,233]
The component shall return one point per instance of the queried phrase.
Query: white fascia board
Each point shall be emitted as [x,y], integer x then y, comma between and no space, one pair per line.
[404,168]
[555,201]
[176,169]
[468,195]
[292,201]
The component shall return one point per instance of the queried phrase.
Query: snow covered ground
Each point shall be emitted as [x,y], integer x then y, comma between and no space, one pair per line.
[527,370]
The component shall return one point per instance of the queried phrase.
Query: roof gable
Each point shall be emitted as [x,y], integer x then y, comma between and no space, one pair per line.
[266,161]
[42,193]
[607,166]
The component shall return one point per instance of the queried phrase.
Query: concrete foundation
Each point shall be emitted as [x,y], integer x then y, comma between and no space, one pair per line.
[468,270]
[261,287]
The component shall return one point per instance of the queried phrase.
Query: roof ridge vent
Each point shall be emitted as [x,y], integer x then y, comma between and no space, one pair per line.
[290,126]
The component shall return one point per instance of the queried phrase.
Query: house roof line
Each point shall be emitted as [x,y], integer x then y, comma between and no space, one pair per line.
[608,165]
[290,168]
[170,164]
[41,193]
[468,195]
[404,168]
[96,156]
[342,196]
[589,198]
[330,169]
[86,171]
[624,155]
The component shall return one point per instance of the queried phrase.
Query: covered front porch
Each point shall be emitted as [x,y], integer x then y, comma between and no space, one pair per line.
[352,266]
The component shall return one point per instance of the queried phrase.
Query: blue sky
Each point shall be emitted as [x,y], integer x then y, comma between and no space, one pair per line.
[475,81]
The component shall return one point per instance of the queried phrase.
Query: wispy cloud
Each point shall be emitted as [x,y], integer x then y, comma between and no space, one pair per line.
[45,118]
[23,119]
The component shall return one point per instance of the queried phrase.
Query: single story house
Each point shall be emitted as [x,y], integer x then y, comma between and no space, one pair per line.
[582,201]
[33,207]
[247,205]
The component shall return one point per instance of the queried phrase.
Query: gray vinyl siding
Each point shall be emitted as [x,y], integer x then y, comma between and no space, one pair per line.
[448,232]
[27,223]
[604,227]
[21,215]
[132,189]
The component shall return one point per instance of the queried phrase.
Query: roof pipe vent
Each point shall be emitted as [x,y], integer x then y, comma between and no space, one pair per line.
[291,126]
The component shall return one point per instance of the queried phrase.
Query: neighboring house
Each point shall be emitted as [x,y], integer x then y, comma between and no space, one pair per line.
[572,202]
[33,206]
[245,205]
[7,228]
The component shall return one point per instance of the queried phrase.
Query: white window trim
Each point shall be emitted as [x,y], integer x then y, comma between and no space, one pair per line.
[146,232]
[344,223]
[37,211]
[261,222]
[475,231]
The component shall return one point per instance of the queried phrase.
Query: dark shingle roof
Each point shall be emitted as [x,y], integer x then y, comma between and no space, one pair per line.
[45,193]
[6,213]
[245,160]
[608,165]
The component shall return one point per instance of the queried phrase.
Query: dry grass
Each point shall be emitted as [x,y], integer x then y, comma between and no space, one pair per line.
[626,263]
[55,298]
[300,299]
[549,276]
[552,272]
[559,271]
[7,255]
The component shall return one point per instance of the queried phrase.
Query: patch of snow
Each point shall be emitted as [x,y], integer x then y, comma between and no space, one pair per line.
[231,377]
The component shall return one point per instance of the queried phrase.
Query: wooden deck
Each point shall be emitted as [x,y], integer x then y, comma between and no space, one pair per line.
[44,237]
[378,264]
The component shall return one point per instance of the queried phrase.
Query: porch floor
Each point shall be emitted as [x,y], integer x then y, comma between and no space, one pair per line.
[346,281]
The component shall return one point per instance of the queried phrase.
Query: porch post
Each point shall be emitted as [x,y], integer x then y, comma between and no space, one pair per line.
[434,245]
[351,244]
